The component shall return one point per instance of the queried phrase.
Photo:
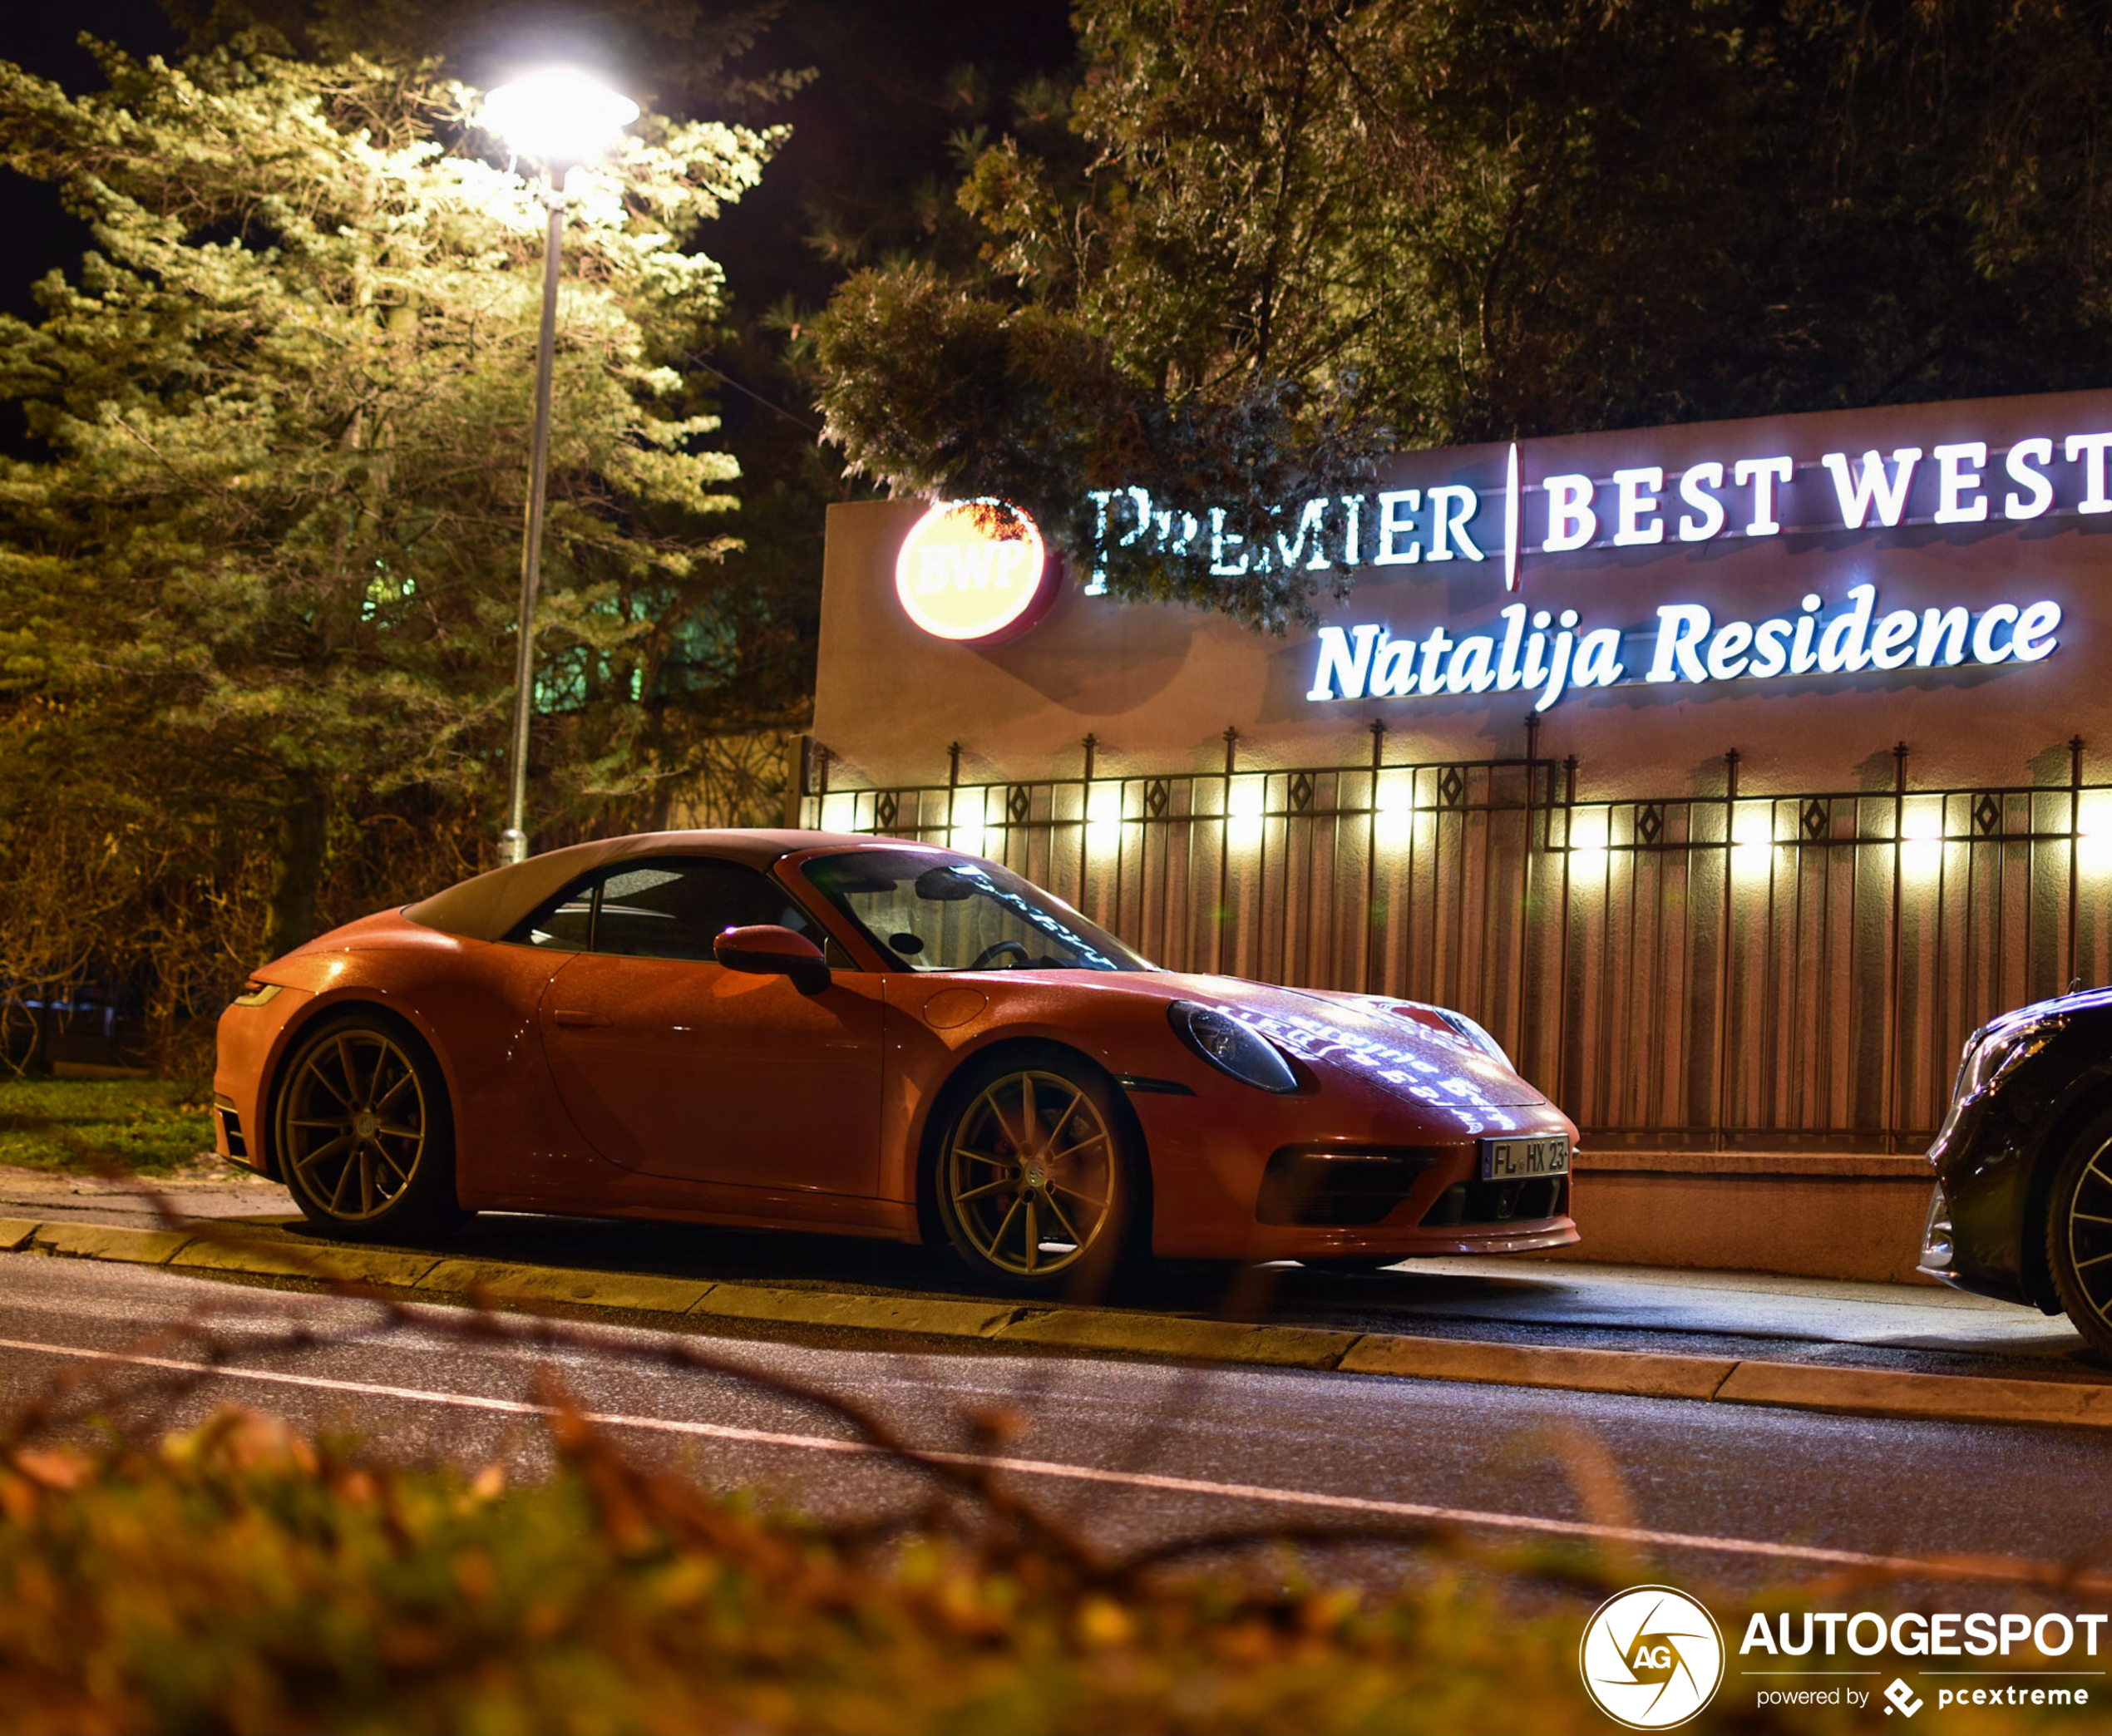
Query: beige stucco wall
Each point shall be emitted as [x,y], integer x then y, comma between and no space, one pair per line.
[1158,686]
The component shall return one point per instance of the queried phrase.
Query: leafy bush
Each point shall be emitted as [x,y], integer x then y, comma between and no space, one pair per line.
[240,1578]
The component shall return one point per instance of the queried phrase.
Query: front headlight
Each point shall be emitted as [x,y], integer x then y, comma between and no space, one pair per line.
[1232,1048]
[1989,1054]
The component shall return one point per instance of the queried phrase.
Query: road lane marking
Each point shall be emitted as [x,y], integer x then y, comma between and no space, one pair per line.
[1156,1482]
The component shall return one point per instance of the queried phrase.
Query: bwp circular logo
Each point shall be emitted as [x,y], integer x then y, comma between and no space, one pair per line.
[1652,1657]
[973,569]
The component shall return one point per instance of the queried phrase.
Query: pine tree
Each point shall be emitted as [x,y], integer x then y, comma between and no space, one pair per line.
[259,574]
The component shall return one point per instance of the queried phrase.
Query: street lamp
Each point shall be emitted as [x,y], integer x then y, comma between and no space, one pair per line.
[558,117]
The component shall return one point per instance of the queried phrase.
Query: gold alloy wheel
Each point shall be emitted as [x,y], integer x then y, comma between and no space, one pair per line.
[353,1126]
[2089,1233]
[1031,1174]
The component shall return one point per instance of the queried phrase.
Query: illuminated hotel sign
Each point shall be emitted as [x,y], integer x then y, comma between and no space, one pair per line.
[1524,530]
[973,570]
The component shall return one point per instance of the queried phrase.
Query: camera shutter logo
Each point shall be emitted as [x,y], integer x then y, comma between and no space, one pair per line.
[973,570]
[1652,1657]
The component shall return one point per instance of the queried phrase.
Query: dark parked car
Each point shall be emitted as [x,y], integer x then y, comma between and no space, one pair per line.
[2023,1206]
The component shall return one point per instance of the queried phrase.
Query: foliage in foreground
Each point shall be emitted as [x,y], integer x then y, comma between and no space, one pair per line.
[148,1127]
[242,1578]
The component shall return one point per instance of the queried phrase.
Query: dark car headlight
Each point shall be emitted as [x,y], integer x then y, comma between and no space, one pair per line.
[1990,1055]
[1996,1053]
[1231,1046]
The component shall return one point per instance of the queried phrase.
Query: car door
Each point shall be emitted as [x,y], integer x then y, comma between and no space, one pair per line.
[672,1065]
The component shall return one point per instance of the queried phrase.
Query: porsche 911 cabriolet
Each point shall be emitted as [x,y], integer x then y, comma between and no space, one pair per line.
[802,1030]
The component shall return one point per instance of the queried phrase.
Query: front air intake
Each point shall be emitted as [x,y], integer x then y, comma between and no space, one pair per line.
[231,1128]
[1341,1186]
[1496,1202]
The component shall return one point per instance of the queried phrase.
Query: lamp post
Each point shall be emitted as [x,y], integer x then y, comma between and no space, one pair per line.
[558,117]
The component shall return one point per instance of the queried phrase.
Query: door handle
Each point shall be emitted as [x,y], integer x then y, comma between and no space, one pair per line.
[576,1021]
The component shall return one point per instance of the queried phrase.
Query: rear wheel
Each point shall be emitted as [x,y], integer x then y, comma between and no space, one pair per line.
[2079,1234]
[1039,1186]
[362,1132]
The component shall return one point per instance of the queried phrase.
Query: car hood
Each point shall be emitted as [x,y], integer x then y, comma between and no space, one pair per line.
[1343,1035]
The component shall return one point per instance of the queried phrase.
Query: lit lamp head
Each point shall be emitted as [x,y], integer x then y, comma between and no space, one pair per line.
[558,117]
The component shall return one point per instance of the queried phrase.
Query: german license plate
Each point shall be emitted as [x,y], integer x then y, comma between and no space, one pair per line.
[1513,1160]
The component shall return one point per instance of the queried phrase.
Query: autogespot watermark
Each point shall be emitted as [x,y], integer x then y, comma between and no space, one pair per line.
[2047,1650]
[1653,1657]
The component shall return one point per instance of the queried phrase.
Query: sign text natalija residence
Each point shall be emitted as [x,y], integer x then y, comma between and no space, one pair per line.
[1642,511]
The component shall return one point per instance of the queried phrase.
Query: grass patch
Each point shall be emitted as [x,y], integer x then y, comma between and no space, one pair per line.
[146,1126]
[241,1579]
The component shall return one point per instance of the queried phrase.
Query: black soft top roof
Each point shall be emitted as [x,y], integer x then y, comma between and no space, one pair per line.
[491,907]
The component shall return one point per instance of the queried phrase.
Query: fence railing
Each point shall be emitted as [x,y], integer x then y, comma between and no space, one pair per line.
[1771,971]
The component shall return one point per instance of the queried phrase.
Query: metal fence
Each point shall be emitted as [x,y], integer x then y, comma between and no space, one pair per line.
[1775,971]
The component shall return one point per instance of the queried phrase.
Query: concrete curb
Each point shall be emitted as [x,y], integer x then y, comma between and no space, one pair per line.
[1637,1374]
[1707,1379]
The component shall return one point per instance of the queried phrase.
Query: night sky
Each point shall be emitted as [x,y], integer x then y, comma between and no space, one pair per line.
[873,123]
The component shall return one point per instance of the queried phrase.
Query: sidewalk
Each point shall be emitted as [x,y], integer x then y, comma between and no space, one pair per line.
[1741,1305]
[1565,1304]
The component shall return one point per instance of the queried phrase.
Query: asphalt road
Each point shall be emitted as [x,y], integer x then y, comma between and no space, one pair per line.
[1132,1453]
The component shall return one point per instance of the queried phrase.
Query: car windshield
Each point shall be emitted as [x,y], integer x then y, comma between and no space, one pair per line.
[926,911]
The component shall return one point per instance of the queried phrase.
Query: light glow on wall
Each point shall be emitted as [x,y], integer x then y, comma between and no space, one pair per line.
[1921,836]
[965,830]
[2094,832]
[1248,802]
[1103,815]
[1590,832]
[1752,831]
[1394,808]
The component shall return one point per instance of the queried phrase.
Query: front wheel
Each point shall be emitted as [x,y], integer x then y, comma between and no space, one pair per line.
[1040,1188]
[364,1136]
[2079,1234]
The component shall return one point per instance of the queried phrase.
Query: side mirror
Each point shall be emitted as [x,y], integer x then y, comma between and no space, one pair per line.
[766,949]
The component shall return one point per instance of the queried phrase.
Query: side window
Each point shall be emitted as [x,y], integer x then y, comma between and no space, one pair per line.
[564,924]
[675,910]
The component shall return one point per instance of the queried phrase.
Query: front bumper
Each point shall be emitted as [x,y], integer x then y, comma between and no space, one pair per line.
[1973,1240]
[1247,1187]
[245,1041]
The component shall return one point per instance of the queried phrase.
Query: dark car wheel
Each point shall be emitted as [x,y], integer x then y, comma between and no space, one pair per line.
[1039,1184]
[2079,1234]
[362,1132]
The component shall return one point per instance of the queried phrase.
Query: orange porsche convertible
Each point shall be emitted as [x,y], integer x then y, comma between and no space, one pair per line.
[793,1029]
